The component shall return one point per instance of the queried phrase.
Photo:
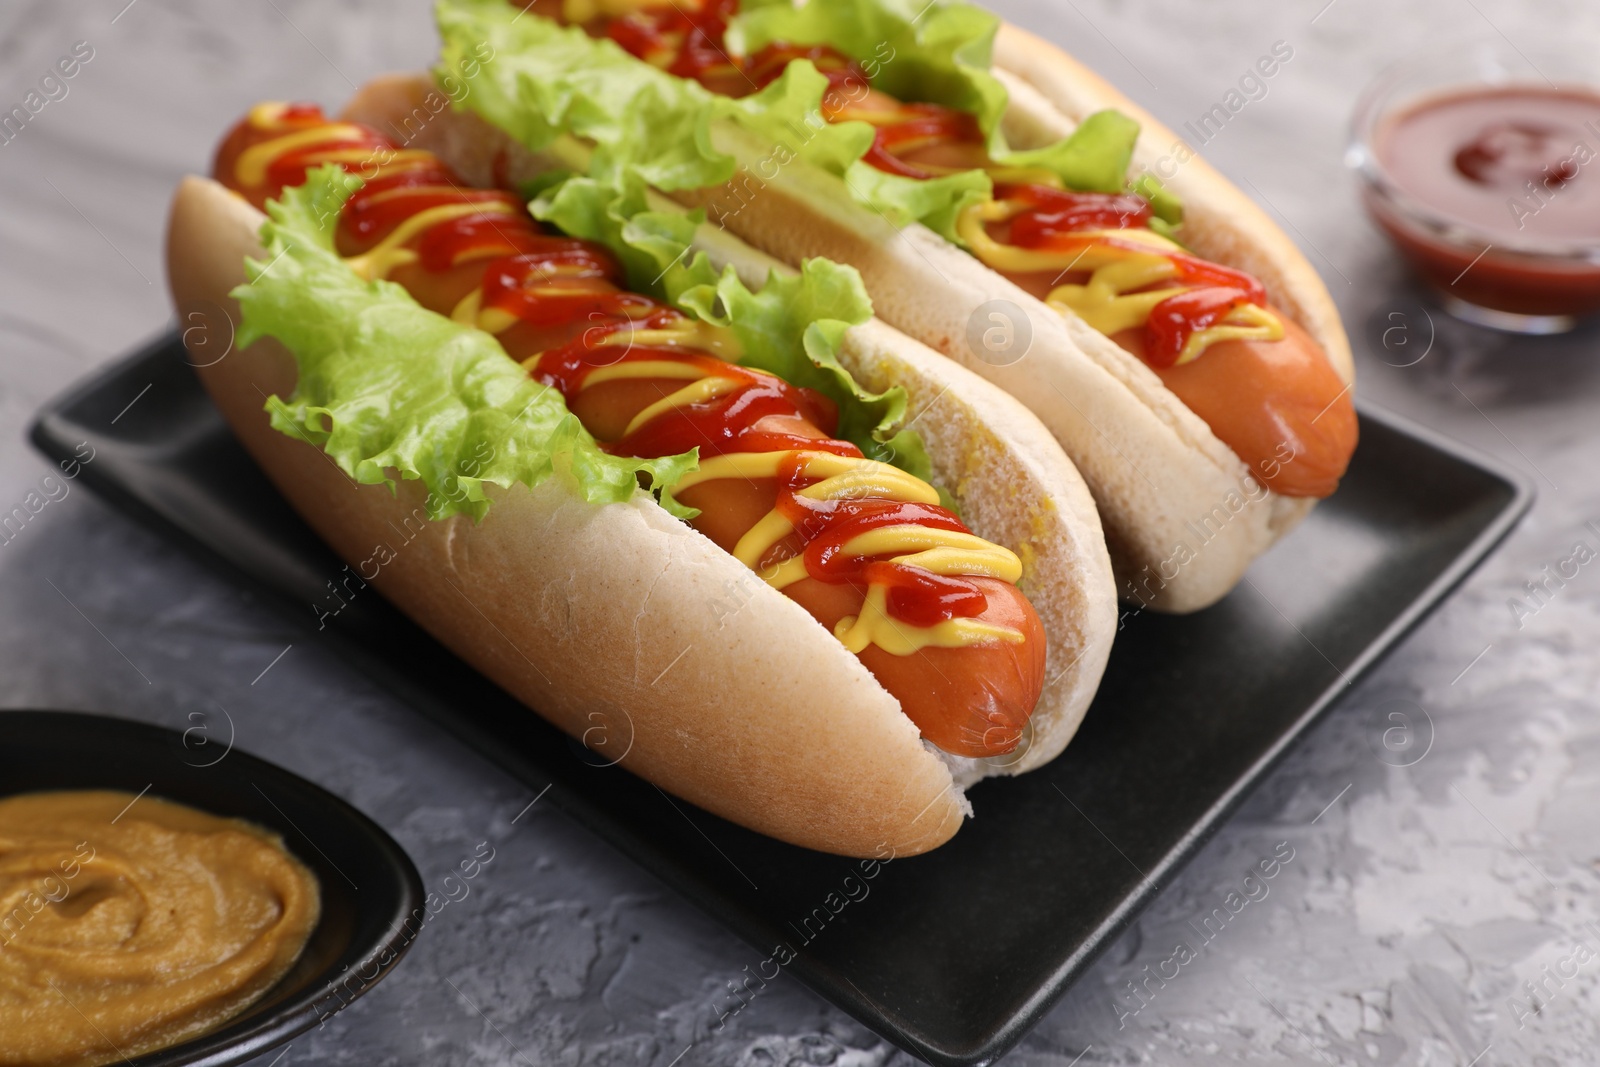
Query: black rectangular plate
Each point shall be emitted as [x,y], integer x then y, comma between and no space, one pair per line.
[954,955]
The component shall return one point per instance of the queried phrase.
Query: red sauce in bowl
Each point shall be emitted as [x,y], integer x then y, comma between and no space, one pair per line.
[1508,180]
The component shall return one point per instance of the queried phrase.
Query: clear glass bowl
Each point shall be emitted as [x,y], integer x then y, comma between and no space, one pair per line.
[1526,283]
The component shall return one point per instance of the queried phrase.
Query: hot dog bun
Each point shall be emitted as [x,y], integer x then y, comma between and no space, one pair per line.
[1184,515]
[617,617]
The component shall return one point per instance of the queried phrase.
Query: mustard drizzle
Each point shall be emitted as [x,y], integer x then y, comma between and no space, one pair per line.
[1117,295]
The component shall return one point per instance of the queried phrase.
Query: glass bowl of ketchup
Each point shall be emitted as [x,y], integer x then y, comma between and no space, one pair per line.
[1482,164]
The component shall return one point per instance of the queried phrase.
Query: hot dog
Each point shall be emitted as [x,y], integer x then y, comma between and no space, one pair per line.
[1202,387]
[760,467]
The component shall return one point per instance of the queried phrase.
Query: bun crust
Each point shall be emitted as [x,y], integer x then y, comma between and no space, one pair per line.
[628,629]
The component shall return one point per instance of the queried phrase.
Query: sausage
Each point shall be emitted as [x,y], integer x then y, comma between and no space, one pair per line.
[1279,405]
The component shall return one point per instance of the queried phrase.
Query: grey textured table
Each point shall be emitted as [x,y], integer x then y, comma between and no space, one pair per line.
[1420,899]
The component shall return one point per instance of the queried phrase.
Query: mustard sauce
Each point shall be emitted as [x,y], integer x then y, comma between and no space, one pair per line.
[129,925]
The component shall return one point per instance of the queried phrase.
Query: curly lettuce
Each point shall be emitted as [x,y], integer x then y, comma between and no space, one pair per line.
[387,385]
[544,80]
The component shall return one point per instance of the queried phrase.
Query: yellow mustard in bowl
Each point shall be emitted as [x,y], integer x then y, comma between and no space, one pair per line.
[130,924]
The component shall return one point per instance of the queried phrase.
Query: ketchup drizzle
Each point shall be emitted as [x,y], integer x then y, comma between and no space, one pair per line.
[1178,317]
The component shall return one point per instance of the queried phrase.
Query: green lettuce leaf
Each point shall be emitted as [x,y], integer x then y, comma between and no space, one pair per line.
[792,326]
[1094,159]
[935,202]
[384,384]
[788,113]
[543,80]
[939,52]
[1168,208]
[936,52]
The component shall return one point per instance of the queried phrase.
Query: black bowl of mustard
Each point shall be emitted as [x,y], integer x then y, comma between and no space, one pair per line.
[371,897]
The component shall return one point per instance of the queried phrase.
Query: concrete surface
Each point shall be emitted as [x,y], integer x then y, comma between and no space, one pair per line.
[1418,903]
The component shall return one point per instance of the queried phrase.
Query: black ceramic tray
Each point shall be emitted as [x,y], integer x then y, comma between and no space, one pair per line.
[954,955]
[371,894]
